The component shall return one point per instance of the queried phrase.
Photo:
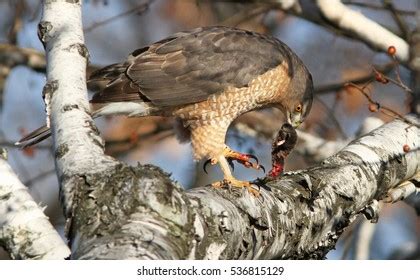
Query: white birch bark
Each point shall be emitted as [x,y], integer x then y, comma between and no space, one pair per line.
[25,232]
[78,146]
[364,28]
[139,213]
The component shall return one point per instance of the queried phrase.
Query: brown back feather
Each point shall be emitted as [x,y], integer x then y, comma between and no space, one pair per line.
[190,66]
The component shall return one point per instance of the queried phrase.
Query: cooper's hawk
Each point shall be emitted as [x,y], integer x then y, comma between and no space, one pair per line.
[206,78]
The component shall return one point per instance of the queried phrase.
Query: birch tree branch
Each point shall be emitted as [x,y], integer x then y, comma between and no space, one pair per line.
[12,55]
[78,146]
[364,28]
[137,212]
[25,231]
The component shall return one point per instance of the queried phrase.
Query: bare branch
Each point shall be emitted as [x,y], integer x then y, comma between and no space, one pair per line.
[366,29]
[11,56]
[25,231]
[138,9]
[317,148]
[364,240]
[375,106]
[334,87]
[378,7]
[388,4]
[415,65]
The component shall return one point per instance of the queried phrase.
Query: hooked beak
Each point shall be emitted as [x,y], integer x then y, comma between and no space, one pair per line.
[294,120]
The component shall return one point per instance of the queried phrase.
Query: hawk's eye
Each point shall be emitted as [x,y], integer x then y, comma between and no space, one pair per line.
[298,108]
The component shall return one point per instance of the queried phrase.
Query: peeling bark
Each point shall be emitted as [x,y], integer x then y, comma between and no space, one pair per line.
[78,146]
[137,212]
[25,231]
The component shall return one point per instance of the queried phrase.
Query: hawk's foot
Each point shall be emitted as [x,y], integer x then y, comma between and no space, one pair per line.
[238,184]
[244,159]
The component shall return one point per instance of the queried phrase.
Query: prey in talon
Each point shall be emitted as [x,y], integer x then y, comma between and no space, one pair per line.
[282,145]
[244,159]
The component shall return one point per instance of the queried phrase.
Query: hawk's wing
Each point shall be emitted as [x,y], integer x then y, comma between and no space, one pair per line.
[189,66]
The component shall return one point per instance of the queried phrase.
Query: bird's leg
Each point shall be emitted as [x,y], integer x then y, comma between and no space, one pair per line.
[229,179]
[231,155]
[244,159]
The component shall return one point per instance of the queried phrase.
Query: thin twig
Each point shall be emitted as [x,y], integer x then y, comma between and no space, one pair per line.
[247,14]
[377,106]
[332,117]
[17,24]
[397,18]
[139,9]
[397,82]
[378,7]
[13,146]
[334,87]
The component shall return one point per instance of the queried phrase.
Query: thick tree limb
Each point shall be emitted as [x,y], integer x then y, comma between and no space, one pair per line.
[78,147]
[338,18]
[136,212]
[367,30]
[25,231]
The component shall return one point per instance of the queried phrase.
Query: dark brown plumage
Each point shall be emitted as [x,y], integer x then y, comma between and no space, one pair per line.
[189,66]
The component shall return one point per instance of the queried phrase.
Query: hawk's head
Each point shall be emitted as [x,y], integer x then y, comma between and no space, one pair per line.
[298,101]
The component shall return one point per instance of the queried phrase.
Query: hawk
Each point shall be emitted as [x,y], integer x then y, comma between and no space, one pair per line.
[206,78]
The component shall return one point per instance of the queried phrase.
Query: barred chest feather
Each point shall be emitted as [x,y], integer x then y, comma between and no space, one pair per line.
[210,119]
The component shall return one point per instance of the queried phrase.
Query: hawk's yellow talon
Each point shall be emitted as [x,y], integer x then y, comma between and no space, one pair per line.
[238,184]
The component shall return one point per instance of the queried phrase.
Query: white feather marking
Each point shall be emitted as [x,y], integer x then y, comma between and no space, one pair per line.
[132,109]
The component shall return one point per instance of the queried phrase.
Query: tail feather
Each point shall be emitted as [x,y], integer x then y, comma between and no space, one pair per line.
[108,73]
[131,109]
[119,97]
[34,137]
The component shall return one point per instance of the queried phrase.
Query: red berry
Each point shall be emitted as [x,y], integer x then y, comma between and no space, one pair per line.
[406,148]
[373,107]
[380,78]
[391,50]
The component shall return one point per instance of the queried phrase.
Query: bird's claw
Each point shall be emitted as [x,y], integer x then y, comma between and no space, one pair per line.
[248,164]
[252,165]
[253,157]
[230,161]
[212,161]
[238,184]
[244,159]
[205,165]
